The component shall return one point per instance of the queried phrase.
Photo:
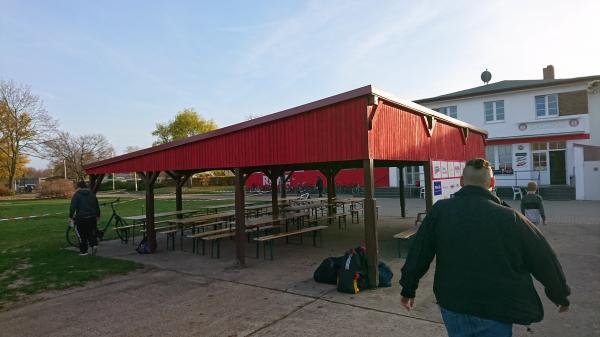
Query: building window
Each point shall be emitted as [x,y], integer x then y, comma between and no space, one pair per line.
[546,105]
[557,146]
[411,175]
[500,156]
[490,155]
[493,111]
[448,111]
[539,161]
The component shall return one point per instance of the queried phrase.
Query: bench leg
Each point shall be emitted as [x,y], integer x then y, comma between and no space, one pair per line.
[399,248]
[203,247]
[257,249]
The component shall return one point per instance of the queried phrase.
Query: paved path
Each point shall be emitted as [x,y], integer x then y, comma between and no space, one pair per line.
[181,294]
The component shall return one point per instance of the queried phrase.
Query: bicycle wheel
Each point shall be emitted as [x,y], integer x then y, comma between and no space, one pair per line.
[122,234]
[72,237]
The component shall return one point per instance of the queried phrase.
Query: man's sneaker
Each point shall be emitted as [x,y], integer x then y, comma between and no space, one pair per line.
[83,254]
[94,250]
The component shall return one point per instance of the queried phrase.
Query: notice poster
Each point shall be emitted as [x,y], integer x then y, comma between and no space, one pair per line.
[451,173]
[437,170]
[444,166]
[458,169]
[521,160]
[446,178]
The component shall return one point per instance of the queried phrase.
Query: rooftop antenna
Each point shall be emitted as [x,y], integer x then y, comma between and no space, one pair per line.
[486,76]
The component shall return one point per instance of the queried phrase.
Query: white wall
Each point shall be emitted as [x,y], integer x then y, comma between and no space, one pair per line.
[591,171]
[594,116]
[519,107]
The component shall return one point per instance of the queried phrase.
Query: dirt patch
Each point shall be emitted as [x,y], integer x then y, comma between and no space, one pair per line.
[19,283]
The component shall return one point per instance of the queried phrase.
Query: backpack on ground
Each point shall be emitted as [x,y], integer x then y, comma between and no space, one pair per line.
[328,270]
[143,247]
[385,275]
[352,275]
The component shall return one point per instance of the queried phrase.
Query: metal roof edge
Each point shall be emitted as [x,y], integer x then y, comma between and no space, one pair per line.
[447,97]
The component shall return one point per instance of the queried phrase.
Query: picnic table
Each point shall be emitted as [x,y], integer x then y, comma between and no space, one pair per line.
[140,220]
[216,208]
[257,209]
[142,217]
[196,221]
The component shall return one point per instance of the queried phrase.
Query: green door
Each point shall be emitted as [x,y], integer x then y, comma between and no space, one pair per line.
[558,173]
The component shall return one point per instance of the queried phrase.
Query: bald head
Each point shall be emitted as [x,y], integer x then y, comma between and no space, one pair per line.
[478,172]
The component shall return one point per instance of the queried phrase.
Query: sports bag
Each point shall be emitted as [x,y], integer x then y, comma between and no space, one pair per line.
[327,270]
[143,247]
[352,275]
[385,275]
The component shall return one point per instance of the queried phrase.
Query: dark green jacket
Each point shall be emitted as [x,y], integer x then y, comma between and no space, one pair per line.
[485,255]
[84,204]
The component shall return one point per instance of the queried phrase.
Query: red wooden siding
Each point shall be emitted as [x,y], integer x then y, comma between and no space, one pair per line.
[398,134]
[346,178]
[332,133]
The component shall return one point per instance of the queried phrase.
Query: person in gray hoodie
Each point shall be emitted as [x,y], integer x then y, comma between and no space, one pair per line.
[84,214]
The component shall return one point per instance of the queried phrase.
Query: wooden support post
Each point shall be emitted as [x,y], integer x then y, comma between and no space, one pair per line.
[401,188]
[428,186]
[370,223]
[330,173]
[180,180]
[95,181]
[240,217]
[273,174]
[283,180]
[149,178]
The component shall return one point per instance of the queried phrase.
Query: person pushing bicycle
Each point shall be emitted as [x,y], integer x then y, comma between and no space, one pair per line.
[84,214]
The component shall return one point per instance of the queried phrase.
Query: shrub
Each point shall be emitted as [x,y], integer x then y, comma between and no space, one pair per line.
[59,188]
[5,192]
[221,181]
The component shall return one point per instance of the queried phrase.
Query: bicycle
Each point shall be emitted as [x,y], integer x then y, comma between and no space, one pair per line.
[73,237]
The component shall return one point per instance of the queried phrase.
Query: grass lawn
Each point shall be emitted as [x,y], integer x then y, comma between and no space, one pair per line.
[33,257]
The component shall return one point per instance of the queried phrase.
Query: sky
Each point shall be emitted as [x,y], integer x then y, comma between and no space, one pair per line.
[119,67]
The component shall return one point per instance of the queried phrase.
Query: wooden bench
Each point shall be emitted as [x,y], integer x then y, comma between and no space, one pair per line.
[127,228]
[339,217]
[407,235]
[268,240]
[170,236]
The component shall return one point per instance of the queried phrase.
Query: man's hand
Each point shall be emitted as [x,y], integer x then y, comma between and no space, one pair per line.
[563,308]
[407,302]
[71,223]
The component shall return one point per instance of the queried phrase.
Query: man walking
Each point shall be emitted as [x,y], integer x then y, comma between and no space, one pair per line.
[84,214]
[486,253]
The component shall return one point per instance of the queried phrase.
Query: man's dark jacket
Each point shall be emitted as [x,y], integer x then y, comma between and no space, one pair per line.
[84,204]
[485,255]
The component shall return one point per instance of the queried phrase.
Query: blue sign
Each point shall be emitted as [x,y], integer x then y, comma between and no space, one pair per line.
[437,188]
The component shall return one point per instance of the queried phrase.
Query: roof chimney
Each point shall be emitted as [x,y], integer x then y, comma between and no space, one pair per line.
[549,72]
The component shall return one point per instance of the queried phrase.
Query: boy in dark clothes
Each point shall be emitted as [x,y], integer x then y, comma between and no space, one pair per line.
[532,205]
[84,214]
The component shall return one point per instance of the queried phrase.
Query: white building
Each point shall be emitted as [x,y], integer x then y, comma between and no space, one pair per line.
[544,130]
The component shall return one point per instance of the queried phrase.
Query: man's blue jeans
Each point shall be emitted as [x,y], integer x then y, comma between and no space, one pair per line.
[462,325]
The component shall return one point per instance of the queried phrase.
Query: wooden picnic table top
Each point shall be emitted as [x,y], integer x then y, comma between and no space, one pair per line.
[261,206]
[160,215]
[301,207]
[203,218]
[224,206]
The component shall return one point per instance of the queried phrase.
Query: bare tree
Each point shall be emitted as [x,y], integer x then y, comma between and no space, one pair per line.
[24,126]
[73,152]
